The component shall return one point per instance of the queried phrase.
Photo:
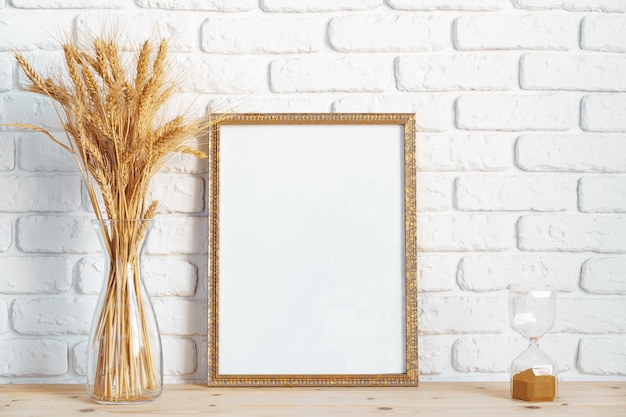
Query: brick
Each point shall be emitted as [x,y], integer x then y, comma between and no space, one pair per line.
[33,357]
[590,315]
[174,27]
[537,4]
[432,112]
[456,72]
[267,104]
[442,232]
[603,33]
[515,192]
[40,193]
[35,275]
[440,315]
[53,316]
[436,272]
[497,272]
[474,5]
[79,358]
[494,354]
[434,192]
[6,234]
[162,277]
[179,357]
[181,317]
[178,236]
[90,275]
[534,31]
[27,31]
[389,33]
[577,153]
[182,163]
[477,152]
[28,108]
[283,6]
[517,112]
[38,153]
[603,113]
[199,5]
[177,193]
[69,4]
[261,36]
[321,74]
[572,233]
[4,316]
[602,194]
[7,152]
[56,234]
[221,75]
[602,355]
[6,74]
[604,275]
[608,6]
[573,72]
[434,354]
[572,5]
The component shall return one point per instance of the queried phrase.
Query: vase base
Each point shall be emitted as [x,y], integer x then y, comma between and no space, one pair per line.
[140,399]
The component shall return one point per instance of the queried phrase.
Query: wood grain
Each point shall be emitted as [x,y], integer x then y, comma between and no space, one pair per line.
[429,399]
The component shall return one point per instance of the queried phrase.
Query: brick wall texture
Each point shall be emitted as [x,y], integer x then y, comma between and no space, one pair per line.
[521,158]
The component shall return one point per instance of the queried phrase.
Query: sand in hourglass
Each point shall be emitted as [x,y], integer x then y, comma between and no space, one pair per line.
[530,387]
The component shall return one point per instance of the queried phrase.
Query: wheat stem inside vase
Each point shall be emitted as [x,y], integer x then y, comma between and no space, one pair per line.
[128,370]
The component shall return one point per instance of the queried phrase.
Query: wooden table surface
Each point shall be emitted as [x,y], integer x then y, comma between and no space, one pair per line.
[589,399]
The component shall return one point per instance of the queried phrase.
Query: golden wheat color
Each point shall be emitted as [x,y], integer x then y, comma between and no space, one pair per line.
[112,115]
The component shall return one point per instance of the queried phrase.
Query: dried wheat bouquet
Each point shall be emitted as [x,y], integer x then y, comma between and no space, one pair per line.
[112,113]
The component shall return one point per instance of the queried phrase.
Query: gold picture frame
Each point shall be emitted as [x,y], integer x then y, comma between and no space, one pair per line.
[312,250]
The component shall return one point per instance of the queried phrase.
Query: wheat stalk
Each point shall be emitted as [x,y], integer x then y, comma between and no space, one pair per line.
[110,114]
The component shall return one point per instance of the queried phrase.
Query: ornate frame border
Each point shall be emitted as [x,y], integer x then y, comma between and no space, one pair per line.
[410,377]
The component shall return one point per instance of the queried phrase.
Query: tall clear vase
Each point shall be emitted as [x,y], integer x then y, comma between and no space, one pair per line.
[124,356]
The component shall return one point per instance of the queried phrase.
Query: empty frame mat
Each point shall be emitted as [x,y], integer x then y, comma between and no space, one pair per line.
[312,269]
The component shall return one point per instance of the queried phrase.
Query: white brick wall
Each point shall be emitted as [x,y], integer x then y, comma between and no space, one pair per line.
[384,33]
[516,112]
[456,72]
[506,32]
[604,275]
[323,74]
[317,6]
[572,5]
[603,33]
[261,36]
[209,5]
[447,5]
[521,155]
[515,192]
[603,113]
[584,72]
[575,153]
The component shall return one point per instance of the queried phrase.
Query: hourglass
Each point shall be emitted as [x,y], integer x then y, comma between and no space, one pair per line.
[533,373]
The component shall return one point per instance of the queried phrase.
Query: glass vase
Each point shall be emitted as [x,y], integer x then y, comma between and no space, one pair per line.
[124,356]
